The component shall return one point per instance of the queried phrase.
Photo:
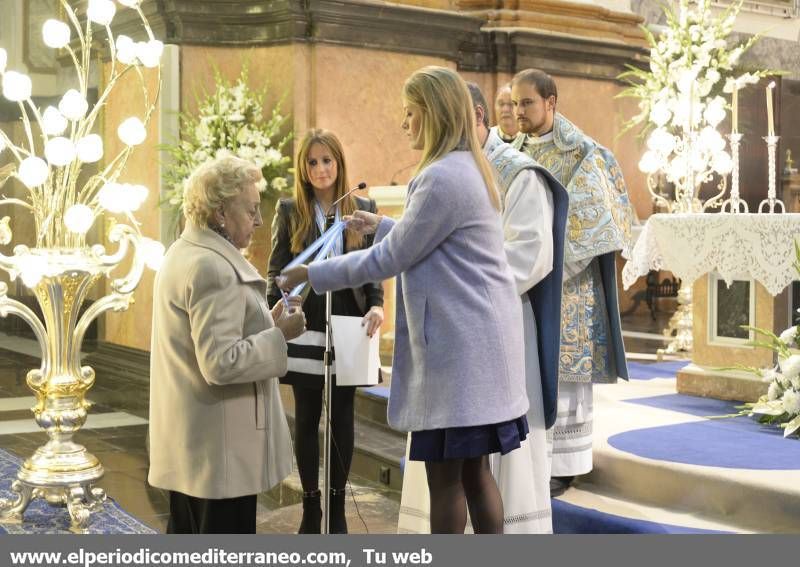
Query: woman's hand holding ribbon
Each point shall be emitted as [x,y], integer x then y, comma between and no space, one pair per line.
[292,277]
[292,323]
[363,222]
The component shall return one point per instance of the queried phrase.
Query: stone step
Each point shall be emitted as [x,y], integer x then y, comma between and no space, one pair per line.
[379,449]
[377,454]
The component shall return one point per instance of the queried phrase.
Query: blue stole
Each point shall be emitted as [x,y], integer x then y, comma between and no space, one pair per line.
[545,296]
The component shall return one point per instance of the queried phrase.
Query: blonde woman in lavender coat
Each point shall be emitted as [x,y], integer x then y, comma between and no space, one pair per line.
[458,380]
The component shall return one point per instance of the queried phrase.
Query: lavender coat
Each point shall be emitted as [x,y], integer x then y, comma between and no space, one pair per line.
[458,354]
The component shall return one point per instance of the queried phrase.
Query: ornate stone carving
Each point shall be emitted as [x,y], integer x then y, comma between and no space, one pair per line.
[572,18]
[571,39]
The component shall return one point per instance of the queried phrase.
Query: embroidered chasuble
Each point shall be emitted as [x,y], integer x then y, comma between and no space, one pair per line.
[599,224]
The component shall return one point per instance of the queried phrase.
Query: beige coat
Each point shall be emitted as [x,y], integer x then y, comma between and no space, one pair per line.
[217,427]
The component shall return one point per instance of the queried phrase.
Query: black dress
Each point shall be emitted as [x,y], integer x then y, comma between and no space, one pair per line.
[306,352]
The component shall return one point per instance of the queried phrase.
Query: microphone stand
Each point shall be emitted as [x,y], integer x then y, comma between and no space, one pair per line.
[328,387]
[328,364]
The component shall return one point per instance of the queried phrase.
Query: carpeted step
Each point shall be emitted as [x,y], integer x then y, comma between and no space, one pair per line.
[584,510]
[656,448]
[371,404]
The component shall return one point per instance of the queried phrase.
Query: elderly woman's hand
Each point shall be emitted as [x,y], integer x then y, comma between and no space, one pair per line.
[292,277]
[372,320]
[292,323]
[295,302]
[363,222]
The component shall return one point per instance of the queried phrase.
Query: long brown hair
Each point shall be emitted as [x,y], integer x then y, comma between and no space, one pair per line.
[448,120]
[303,220]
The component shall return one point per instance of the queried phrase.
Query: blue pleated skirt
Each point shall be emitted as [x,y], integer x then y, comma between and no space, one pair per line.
[468,442]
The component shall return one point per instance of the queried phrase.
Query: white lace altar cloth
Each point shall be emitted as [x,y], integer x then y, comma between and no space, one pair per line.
[754,246]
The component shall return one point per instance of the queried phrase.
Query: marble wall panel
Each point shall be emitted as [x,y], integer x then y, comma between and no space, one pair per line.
[488,83]
[272,68]
[132,328]
[358,95]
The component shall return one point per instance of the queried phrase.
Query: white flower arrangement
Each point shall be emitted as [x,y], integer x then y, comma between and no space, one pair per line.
[230,120]
[781,404]
[680,94]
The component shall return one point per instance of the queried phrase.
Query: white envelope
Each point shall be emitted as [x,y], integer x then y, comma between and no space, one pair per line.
[357,355]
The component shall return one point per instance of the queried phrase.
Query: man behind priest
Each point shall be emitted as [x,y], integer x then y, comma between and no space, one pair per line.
[506,123]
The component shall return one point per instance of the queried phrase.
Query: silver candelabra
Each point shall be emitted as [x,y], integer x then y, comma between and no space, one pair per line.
[734,204]
[770,204]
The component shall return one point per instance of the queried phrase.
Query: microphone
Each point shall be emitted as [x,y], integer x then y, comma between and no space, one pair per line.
[358,187]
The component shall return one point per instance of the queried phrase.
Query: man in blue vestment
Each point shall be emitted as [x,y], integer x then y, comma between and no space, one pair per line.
[599,224]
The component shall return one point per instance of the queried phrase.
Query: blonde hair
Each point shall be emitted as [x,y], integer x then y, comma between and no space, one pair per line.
[448,120]
[303,221]
[212,183]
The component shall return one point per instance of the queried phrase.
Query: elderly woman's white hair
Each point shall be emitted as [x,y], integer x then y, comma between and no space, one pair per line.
[215,181]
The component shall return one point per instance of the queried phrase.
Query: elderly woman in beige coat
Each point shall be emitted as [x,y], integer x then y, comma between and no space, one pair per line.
[218,434]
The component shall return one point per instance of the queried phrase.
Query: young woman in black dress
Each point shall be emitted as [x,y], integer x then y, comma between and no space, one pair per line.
[321,179]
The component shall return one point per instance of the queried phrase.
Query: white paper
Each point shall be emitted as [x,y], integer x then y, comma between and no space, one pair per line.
[357,355]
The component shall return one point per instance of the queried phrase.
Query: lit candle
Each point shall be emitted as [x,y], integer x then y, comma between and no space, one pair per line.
[770,121]
[735,108]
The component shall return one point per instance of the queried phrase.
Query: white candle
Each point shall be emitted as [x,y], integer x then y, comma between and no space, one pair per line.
[735,108]
[770,121]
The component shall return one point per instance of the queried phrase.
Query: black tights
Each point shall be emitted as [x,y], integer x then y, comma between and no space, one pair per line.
[307,413]
[454,481]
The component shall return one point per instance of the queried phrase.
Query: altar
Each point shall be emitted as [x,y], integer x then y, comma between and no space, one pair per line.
[740,267]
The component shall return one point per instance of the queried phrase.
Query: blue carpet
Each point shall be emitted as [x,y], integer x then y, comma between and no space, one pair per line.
[648,371]
[41,518]
[693,405]
[380,391]
[739,442]
[572,519]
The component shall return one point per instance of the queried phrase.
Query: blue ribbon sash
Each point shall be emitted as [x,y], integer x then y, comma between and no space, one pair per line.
[324,244]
